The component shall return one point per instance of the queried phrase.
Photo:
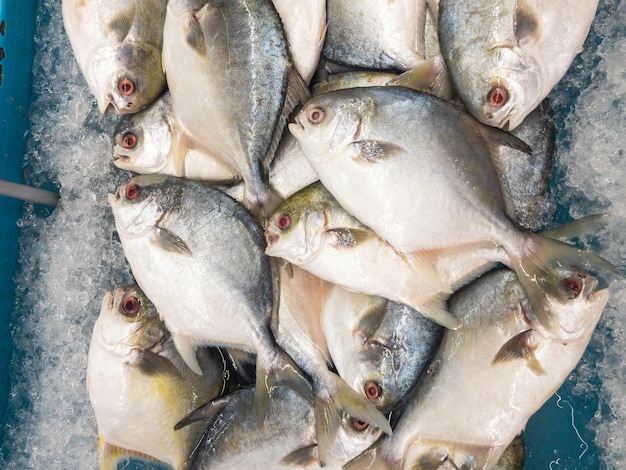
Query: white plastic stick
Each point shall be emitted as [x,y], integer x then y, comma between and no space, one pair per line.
[28,193]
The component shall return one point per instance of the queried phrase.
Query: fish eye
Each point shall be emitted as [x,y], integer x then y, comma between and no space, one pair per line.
[316,115]
[130,306]
[126,86]
[283,221]
[373,390]
[132,191]
[129,140]
[497,96]
[359,425]
[571,286]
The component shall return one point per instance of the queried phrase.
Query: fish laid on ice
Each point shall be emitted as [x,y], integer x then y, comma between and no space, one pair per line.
[117,44]
[505,56]
[212,52]
[150,142]
[311,230]
[298,331]
[417,171]
[199,256]
[381,357]
[304,22]
[233,441]
[489,376]
[140,387]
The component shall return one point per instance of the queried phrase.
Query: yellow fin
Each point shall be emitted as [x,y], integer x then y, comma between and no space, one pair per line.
[109,456]
[431,76]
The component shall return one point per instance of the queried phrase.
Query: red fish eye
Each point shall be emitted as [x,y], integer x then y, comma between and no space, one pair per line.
[129,140]
[132,191]
[126,87]
[373,391]
[283,221]
[316,115]
[497,96]
[359,425]
[571,287]
[130,306]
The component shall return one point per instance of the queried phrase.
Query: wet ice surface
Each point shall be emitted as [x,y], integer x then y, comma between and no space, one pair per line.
[72,257]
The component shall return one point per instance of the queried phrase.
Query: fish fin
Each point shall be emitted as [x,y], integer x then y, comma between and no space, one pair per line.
[284,371]
[153,364]
[436,311]
[206,412]
[521,346]
[121,24]
[109,455]
[328,413]
[527,30]
[498,137]
[169,241]
[179,150]
[372,151]
[431,76]
[540,280]
[195,35]
[187,351]
[349,237]
[302,457]
[372,317]
[241,364]
[297,92]
[577,228]
[423,263]
[371,458]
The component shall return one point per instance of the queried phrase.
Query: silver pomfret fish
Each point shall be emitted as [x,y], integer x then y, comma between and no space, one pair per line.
[212,53]
[381,357]
[117,44]
[233,440]
[427,184]
[505,56]
[198,255]
[298,331]
[150,141]
[140,387]
[489,376]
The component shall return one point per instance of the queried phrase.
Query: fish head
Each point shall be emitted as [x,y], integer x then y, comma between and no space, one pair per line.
[353,437]
[128,321]
[573,308]
[126,77]
[504,94]
[140,204]
[296,228]
[327,124]
[142,141]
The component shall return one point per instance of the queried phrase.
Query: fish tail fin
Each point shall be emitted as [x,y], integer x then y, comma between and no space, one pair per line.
[337,399]
[539,276]
[283,370]
[436,311]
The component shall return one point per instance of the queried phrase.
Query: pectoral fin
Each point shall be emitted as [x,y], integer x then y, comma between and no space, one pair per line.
[521,346]
[153,364]
[122,22]
[497,137]
[169,241]
[350,237]
[372,151]
[302,457]
[371,318]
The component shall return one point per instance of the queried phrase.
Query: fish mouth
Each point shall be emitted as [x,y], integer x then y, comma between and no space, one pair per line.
[296,125]
[271,239]
[117,158]
[108,301]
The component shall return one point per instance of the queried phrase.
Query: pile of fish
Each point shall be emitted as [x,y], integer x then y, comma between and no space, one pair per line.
[324,191]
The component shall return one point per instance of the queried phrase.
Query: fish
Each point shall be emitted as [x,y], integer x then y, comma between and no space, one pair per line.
[298,331]
[118,45]
[150,141]
[378,347]
[199,256]
[311,230]
[287,441]
[139,386]
[490,376]
[505,56]
[222,104]
[304,22]
[427,185]
[399,36]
